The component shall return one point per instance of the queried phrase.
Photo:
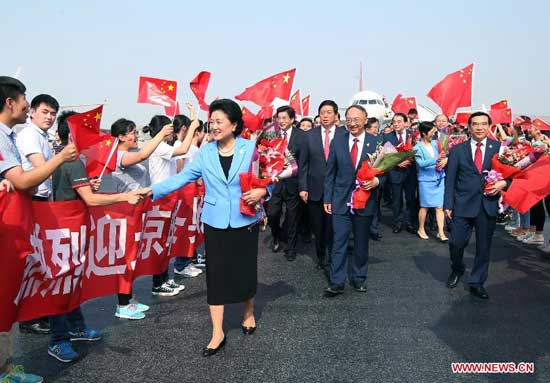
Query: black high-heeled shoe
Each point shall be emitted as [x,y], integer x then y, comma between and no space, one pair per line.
[213,351]
[248,330]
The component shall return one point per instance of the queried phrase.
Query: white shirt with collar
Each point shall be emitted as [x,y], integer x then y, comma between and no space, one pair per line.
[403,135]
[473,145]
[360,143]
[288,133]
[33,140]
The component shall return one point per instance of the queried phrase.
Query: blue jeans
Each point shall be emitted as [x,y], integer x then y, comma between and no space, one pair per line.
[525,220]
[60,325]
[182,262]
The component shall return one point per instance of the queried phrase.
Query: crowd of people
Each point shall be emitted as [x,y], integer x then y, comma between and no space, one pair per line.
[433,191]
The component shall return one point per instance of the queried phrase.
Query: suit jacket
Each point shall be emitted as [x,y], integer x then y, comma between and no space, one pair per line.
[464,185]
[426,164]
[397,175]
[313,164]
[296,147]
[341,175]
[221,201]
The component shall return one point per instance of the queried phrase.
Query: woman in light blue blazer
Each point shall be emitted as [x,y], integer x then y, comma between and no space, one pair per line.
[431,182]
[231,238]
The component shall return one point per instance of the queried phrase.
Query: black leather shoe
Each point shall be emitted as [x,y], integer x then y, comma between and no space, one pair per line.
[213,351]
[276,246]
[333,291]
[411,230]
[375,236]
[35,327]
[453,279]
[479,292]
[248,330]
[359,287]
[290,256]
[396,229]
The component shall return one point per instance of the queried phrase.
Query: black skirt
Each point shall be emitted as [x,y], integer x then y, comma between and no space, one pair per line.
[231,264]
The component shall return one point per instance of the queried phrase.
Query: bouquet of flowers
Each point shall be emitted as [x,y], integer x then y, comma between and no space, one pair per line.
[516,157]
[273,162]
[383,159]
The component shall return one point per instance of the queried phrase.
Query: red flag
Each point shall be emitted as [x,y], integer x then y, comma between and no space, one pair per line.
[501,116]
[403,105]
[540,124]
[305,105]
[172,110]
[199,85]
[97,157]
[454,91]
[266,112]
[462,118]
[157,91]
[264,92]
[251,121]
[295,103]
[532,185]
[500,105]
[85,128]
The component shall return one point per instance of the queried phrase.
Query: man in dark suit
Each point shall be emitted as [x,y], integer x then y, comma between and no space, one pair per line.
[402,179]
[347,153]
[373,128]
[312,168]
[468,206]
[286,190]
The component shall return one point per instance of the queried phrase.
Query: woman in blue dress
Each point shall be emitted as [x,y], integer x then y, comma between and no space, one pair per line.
[431,179]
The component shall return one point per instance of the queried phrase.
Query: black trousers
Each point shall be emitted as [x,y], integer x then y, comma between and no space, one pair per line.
[321,226]
[282,196]
[537,215]
[461,231]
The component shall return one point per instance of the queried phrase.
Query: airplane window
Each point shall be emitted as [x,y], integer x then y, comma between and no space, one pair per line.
[372,102]
[355,102]
[379,102]
[363,102]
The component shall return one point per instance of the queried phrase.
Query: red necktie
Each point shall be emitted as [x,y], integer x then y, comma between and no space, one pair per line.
[285,138]
[478,157]
[326,145]
[353,152]
[400,139]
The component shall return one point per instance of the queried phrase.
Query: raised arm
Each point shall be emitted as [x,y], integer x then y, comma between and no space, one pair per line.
[132,158]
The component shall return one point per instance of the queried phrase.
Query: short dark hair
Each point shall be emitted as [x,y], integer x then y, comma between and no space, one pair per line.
[329,103]
[425,127]
[180,121]
[232,110]
[412,111]
[358,107]
[122,126]
[45,99]
[10,88]
[156,124]
[63,126]
[307,119]
[478,114]
[370,121]
[403,115]
[288,109]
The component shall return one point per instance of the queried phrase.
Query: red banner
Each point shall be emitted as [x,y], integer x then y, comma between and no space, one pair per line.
[57,255]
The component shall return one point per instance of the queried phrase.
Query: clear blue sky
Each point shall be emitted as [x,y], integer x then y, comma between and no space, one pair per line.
[84,52]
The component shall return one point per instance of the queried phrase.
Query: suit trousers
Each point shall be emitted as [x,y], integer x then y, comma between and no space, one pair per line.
[321,226]
[281,195]
[342,225]
[410,216]
[460,233]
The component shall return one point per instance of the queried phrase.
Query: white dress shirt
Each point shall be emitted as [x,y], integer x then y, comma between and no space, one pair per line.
[360,143]
[473,145]
[330,133]
[288,133]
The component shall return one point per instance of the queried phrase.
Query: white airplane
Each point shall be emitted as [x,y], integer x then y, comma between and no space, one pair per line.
[377,106]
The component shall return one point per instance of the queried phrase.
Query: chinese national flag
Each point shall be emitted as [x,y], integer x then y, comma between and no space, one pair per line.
[85,128]
[264,92]
[172,110]
[540,124]
[501,116]
[295,103]
[403,105]
[462,118]
[97,156]
[266,112]
[305,105]
[454,91]
[199,85]
[157,91]
[251,121]
[500,105]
